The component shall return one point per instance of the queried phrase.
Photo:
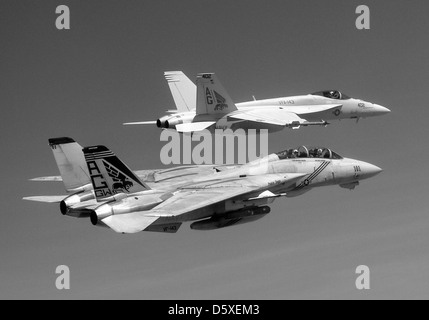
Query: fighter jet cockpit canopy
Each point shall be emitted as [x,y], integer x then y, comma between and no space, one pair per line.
[332,94]
[308,152]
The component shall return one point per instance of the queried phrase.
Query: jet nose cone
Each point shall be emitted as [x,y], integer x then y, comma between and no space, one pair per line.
[369,170]
[380,110]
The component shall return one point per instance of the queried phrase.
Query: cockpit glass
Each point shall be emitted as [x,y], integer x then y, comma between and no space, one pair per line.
[308,152]
[336,155]
[332,94]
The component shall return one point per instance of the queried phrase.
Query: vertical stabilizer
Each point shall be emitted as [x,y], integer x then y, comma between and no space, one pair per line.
[212,97]
[109,175]
[71,162]
[183,90]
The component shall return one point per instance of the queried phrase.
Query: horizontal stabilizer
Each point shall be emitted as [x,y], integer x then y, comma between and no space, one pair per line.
[195,126]
[138,123]
[48,199]
[129,223]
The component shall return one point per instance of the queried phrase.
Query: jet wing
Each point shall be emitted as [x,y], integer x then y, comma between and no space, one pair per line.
[277,117]
[311,109]
[282,116]
[195,197]
[48,199]
[198,196]
[194,126]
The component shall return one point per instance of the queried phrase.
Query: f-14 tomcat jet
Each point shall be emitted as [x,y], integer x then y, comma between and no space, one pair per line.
[77,181]
[207,105]
[230,196]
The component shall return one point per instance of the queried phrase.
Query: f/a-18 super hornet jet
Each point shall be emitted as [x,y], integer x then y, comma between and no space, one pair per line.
[229,196]
[207,105]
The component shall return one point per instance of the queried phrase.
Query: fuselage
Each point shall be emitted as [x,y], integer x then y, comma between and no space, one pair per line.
[302,105]
[318,166]
[318,172]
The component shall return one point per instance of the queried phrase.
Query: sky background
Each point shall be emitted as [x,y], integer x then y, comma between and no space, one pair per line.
[108,69]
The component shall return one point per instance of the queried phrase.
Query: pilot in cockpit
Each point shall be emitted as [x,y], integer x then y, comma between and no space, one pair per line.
[295,153]
[335,94]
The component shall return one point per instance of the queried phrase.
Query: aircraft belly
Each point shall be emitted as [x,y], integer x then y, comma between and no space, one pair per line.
[197,214]
[343,174]
[218,208]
